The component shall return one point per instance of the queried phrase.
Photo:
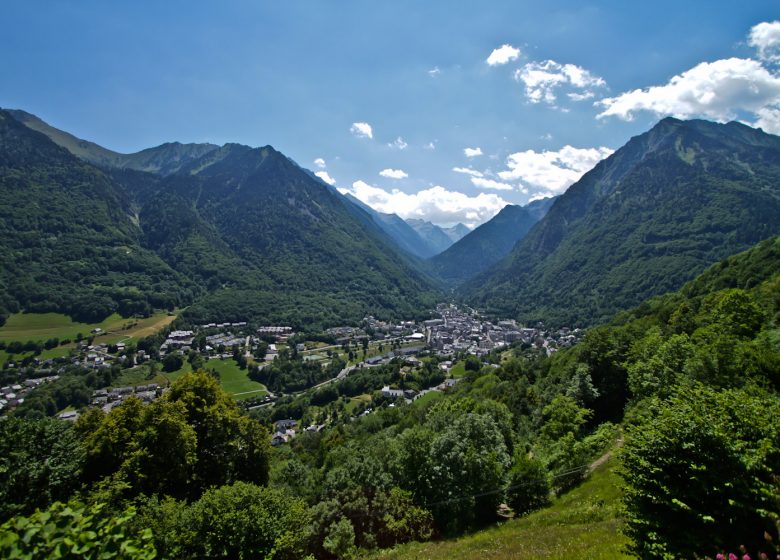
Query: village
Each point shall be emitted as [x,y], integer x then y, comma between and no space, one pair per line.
[451,333]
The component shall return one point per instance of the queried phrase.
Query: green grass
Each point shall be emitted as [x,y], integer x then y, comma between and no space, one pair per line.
[138,376]
[354,402]
[458,370]
[23,327]
[236,381]
[428,397]
[581,524]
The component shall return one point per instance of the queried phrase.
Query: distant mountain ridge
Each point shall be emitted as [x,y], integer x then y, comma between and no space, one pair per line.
[658,211]
[437,237]
[489,243]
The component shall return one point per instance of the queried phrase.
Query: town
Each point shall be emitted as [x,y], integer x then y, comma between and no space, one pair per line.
[451,334]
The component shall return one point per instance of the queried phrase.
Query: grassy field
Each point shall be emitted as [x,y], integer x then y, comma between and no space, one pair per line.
[458,370]
[581,524]
[236,381]
[428,397]
[354,402]
[43,326]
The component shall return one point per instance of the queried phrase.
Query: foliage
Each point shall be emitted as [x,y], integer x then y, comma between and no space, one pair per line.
[193,438]
[73,531]
[529,484]
[40,462]
[241,520]
[702,471]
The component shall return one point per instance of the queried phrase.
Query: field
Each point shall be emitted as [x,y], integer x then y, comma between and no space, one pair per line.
[354,402]
[581,524]
[236,381]
[428,397]
[43,326]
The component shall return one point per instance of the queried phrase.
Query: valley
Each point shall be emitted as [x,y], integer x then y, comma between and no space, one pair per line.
[211,351]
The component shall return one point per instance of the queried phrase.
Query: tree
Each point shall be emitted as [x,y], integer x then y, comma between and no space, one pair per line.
[468,465]
[701,474]
[40,461]
[241,520]
[529,484]
[172,362]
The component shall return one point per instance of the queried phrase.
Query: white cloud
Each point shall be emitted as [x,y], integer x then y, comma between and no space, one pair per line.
[436,204]
[398,143]
[472,152]
[467,171]
[483,183]
[714,90]
[542,79]
[430,146]
[581,96]
[766,38]
[319,162]
[552,172]
[325,177]
[433,72]
[394,173]
[362,130]
[502,55]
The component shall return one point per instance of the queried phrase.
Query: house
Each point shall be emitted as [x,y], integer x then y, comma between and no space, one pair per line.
[392,393]
[282,437]
[282,425]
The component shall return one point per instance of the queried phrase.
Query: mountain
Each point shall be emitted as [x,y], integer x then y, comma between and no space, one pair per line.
[434,236]
[238,233]
[164,159]
[456,232]
[69,240]
[309,260]
[398,230]
[644,221]
[488,243]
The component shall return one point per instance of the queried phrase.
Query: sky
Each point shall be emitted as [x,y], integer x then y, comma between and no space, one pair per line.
[441,110]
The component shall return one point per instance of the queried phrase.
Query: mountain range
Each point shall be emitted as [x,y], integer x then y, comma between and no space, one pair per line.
[235,233]
[650,217]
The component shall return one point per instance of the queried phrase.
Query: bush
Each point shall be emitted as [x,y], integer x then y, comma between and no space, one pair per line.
[529,484]
[701,474]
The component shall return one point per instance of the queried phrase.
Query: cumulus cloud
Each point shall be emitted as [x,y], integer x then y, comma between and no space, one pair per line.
[398,143]
[319,162]
[430,146]
[325,177]
[435,204]
[542,79]
[483,183]
[433,72]
[765,37]
[714,90]
[502,55]
[467,171]
[472,152]
[362,130]
[552,172]
[394,173]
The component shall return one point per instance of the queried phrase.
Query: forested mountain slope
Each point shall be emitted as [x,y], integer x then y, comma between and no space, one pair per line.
[650,217]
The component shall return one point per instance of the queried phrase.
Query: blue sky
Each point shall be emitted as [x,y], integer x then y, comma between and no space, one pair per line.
[572,82]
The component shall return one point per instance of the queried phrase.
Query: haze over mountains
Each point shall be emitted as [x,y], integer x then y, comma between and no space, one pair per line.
[236,232]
